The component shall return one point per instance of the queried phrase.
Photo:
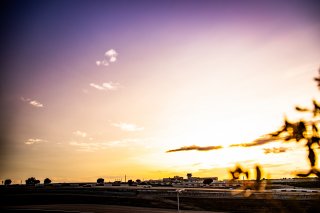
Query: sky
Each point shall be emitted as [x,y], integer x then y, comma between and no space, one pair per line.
[153,89]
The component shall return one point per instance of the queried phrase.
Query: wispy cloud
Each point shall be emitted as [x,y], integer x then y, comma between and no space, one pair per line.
[98,87]
[197,148]
[95,146]
[25,99]
[32,141]
[102,63]
[32,102]
[36,104]
[111,85]
[80,133]
[86,146]
[107,86]
[128,127]
[257,142]
[275,150]
[110,57]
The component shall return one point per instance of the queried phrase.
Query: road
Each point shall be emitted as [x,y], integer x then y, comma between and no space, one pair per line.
[94,208]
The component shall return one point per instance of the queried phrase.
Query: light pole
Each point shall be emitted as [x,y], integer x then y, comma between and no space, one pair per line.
[178,192]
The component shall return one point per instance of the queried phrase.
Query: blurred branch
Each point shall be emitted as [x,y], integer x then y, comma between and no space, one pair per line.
[302,130]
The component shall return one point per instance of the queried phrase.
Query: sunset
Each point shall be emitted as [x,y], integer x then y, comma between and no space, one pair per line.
[160,106]
[154,89]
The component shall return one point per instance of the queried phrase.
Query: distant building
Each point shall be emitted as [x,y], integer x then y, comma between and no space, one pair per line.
[189,176]
[175,179]
[199,179]
[190,179]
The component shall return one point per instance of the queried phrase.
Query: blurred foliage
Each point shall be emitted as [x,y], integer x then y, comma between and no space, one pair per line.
[303,132]
[237,172]
[250,186]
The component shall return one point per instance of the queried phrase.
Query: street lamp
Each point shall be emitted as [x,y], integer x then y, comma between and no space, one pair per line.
[178,192]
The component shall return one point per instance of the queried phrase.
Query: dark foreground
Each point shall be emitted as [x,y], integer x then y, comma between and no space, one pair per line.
[31,199]
[97,208]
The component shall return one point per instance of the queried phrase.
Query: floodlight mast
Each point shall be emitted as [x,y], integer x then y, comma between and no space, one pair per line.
[178,202]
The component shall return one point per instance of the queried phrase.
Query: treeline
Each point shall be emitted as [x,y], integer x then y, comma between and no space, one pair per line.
[29,181]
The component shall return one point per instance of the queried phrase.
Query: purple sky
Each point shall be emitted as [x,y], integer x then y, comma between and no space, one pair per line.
[49,51]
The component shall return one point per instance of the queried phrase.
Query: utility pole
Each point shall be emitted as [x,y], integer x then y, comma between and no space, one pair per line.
[125,178]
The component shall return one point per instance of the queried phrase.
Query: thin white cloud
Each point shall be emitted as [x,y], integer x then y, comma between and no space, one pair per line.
[102,63]
[98,63]
[88,147]
[25,99]
[128,127]
[32,141]
[32,102]
[80,133]
[111,53]
[95,146]
[107,86]
[111,85]
[110,57]
[98,87]
[36,104]
[113,59]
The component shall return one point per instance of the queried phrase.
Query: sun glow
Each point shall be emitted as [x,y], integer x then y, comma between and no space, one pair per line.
[115,92]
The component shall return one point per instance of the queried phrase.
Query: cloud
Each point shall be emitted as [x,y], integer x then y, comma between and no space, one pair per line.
[98,87]
[102,63]
[32,141]
[194,147]
[107,86]
[36,104]
[25,99]
[80,134]
[257,142]
[110,57]
[111,86]
[128,127]
[89,147]
[113,59]
[275,150]
[32,102]
[111,53]
[95,146]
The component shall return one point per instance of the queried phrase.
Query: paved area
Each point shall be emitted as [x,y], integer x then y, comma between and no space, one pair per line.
[93,208]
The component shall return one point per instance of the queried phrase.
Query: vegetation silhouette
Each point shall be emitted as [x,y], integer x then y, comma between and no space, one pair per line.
[257,185]
[7,182]
[32,181]
[100,181]
[47,181]
[303,131]
[130,182]
[207,181]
